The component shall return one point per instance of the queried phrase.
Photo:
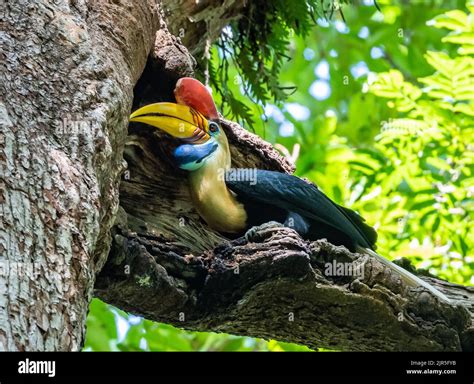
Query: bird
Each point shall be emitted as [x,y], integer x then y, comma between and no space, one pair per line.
[235,205]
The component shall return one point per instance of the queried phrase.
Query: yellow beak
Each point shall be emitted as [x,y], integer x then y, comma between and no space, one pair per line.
[175,119]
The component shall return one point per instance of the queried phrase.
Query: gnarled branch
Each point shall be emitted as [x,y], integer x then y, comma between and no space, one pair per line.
[275,286]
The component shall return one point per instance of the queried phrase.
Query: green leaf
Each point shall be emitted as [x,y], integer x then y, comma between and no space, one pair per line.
[441,62]
[423,204]
[455,20]
[459,38]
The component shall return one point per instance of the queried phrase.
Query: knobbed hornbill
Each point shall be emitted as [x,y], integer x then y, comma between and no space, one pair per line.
[233,206]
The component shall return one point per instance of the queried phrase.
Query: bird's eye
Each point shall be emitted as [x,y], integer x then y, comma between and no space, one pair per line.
[213,127]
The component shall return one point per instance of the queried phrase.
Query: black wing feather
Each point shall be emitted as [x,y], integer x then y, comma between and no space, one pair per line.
[368,231]
[296,195]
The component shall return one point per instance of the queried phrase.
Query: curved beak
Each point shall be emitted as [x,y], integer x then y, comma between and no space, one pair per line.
[177,120]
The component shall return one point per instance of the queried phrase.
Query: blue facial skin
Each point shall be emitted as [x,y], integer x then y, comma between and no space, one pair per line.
[190,157]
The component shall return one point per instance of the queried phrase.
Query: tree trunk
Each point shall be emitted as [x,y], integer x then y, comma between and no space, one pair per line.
[67,80]
[70,68]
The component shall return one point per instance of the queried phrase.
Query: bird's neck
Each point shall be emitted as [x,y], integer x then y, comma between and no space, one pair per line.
[214,202]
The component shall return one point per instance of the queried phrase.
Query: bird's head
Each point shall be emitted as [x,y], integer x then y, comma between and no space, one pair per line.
[194,120]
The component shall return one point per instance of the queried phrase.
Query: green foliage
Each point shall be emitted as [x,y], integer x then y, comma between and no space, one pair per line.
[101,327]
[422,160]
[256,47]
[104,323]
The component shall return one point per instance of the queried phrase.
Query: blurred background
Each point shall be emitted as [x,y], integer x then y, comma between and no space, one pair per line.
[374,105]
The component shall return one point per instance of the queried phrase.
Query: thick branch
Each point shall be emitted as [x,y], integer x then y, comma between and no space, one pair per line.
[197,21]
[275,286]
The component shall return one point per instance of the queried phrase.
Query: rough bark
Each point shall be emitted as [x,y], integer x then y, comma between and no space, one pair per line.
[199,22]
[67,77]
[275,286]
